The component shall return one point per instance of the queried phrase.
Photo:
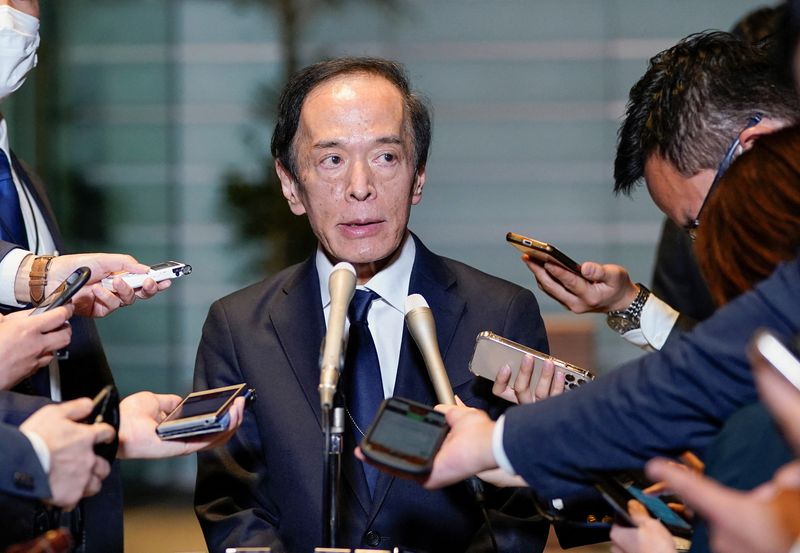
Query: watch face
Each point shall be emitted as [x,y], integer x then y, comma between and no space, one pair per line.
[621,324]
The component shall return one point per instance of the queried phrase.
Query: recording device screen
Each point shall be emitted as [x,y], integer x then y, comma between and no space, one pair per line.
[194,406]
[405,436]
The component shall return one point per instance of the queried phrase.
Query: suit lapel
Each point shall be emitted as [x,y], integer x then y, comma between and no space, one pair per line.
[34,186]
[431,278]
[300,326]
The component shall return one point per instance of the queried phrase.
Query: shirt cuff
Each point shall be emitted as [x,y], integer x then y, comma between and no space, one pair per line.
[40,447]
[9,266]
[497,446]
[655,323]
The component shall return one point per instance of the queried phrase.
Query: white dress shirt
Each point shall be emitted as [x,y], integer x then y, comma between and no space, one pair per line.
[386,317]
[655,324]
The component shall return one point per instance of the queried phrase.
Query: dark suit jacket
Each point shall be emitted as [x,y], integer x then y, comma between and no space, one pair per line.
[84,374]
[661,404]
[264,487]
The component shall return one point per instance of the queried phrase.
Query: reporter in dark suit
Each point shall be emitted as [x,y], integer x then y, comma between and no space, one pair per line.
[351,145]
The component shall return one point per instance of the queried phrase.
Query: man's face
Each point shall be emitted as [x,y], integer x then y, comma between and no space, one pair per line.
[31,7]
[678,196]
[355,163]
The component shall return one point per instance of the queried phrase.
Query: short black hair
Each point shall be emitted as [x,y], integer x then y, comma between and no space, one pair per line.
[418,116]
[692,102]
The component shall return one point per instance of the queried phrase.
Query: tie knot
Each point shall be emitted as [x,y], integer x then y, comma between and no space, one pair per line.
[359,306]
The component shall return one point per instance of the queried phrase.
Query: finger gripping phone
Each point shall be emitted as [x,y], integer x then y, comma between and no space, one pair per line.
[105,408]
[202,412]
[543,252]
[159,272]
[620,487]
[64,292]
[493,352]
[404,437]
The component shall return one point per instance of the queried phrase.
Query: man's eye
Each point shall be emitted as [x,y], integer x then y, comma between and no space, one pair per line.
[387,157]
[332,161]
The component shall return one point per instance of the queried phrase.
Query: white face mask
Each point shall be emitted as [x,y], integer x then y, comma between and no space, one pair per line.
[19,39]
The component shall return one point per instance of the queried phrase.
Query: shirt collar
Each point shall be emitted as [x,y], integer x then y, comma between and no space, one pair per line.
[391,283]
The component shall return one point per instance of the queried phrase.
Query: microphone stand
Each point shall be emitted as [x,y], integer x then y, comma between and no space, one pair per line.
[333,440]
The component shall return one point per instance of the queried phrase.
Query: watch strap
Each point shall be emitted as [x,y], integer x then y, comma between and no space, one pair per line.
[37,281]
[631,314]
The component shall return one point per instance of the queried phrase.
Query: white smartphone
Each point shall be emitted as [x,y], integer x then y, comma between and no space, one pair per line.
[159,272]
[492,352]
[770,348]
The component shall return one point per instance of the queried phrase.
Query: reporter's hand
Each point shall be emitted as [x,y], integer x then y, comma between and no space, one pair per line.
[467,450]
[27,343]
[140,413]
[75,471]
[766,519]
[603,288]
[782,399]
[94,300]
[551,382]
[647,536]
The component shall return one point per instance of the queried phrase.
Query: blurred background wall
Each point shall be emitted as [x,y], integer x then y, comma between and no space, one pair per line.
[150,122]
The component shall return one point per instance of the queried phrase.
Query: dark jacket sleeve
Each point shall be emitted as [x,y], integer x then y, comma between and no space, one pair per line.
[21,473]
[228,503]
[661,404]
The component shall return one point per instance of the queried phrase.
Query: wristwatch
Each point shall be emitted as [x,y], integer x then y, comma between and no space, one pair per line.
[37,280]
[628,319]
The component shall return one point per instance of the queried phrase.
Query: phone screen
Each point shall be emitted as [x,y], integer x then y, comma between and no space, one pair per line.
[658,508]
[194,406]
[408,432]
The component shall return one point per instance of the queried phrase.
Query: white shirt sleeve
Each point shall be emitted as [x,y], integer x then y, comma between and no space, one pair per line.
[498,450]
[8,274]
[796,547]
[656,322]
[40,447]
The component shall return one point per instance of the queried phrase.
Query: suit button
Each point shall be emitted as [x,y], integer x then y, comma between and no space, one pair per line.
[22,480]
[372,538]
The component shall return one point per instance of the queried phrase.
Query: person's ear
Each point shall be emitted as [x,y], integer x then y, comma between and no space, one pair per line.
[749,135]
[290,189]
[417,186]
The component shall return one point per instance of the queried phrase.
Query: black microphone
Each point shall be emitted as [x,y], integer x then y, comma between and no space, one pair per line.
[419,319]
[342,286]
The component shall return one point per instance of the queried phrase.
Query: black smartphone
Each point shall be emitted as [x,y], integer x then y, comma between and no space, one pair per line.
[64,292]
[404,437]
[543,252]
[105,408]
[782,357]
[620,487]
[202,412]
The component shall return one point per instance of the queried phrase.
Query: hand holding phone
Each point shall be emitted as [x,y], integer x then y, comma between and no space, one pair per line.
[105,408]
[64,291]
[542,252]
[158,272]
[404,437]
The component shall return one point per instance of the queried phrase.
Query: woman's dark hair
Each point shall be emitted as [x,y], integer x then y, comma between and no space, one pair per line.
[752,222]
[304,81]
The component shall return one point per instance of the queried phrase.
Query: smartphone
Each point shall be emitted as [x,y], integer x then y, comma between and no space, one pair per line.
[202,412]
[105,408]
[620,487]
[404,437]
[64,292]
[783,358]
[543,252]
[492,352]
[158,272]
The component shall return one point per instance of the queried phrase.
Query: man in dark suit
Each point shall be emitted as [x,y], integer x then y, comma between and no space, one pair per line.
[351,146]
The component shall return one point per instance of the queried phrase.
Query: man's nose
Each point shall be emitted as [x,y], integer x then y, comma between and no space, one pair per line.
[360,185]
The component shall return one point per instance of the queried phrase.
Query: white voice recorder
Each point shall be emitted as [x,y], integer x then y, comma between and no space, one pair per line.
[159,272]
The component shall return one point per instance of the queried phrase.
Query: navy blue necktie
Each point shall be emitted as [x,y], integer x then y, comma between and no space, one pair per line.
[12,226]
[362,372]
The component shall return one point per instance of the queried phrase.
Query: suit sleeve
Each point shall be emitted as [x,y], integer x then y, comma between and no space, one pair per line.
[16,407]
[228,504]
[524,322]
[661,404]
[21,473]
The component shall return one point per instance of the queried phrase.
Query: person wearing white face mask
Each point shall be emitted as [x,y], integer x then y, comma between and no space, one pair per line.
[31,267]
